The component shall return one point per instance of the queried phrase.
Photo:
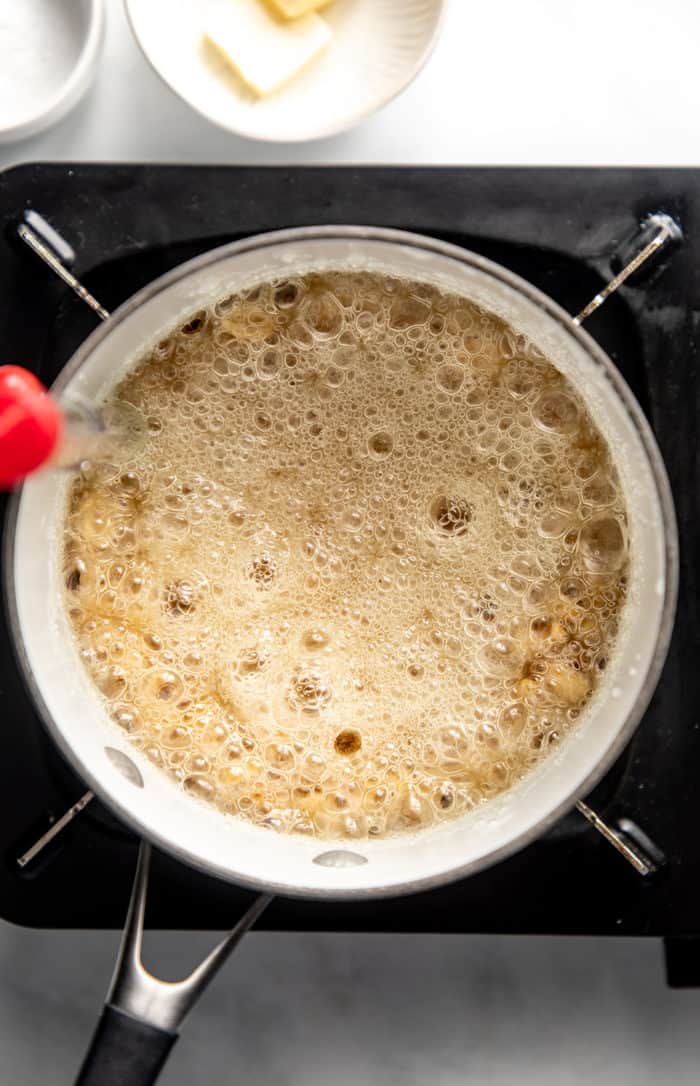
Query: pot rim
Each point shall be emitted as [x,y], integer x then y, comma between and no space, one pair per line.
[671,552]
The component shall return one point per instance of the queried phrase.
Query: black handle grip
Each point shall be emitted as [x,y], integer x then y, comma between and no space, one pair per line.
[125,1051]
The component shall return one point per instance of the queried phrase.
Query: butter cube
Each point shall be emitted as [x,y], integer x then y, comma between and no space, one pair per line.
[293,9]
[265,52]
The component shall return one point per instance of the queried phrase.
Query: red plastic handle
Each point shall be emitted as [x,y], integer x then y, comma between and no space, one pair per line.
[30,425]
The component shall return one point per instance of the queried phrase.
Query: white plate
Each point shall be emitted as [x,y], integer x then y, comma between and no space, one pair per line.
[377,48]
[49,56]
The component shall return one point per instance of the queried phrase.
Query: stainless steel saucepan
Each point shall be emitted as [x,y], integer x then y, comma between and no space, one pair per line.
[150,802]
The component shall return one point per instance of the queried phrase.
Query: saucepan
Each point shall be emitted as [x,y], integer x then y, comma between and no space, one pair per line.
[150,802]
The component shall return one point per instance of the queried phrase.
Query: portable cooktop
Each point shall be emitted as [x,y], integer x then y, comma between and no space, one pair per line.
[567,231]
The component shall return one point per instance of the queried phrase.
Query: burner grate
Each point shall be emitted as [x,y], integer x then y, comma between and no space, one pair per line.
[564,230]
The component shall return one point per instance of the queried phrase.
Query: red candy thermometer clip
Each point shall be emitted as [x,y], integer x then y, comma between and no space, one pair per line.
[30,425]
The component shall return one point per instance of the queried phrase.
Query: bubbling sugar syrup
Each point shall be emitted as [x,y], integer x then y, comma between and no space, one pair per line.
[366,565]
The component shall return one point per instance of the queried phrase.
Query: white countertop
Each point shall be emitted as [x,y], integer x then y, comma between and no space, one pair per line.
[600,82]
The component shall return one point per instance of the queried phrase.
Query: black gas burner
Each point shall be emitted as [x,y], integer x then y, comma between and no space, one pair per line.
[567,231]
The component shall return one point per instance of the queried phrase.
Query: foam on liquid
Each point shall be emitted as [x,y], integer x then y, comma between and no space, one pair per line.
[363,568]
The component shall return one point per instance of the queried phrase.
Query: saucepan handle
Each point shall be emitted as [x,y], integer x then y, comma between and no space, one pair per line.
[142,1015]
[125,1051]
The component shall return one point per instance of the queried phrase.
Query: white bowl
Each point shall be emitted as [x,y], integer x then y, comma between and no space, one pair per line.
[50,50]
[378,47]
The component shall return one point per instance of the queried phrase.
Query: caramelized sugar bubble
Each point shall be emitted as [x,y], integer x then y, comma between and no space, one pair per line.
[357,561]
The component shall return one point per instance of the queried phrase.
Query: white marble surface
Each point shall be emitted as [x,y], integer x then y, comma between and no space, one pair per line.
[511,82]
[324,1010]
[605,81]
